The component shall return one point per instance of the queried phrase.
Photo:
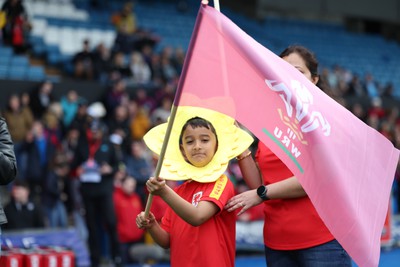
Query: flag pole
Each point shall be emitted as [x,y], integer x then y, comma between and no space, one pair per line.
[216,5]
[161,157]
[175,104]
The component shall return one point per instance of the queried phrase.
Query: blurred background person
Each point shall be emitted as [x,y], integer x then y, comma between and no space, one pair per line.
[96,163]
[127,202]
[53,196]
[23,212]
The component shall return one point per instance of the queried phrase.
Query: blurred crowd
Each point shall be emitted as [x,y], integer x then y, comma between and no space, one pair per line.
[66,143]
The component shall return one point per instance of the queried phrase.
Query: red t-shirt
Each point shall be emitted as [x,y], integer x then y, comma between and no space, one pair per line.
[126,209]
[210,244]
[289,223]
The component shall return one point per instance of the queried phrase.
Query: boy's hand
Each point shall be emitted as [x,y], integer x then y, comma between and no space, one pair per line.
[156,186]
[143,222]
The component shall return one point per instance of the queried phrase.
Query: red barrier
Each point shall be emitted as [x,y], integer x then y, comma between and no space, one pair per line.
[38,257]
[10,259]
[32,259]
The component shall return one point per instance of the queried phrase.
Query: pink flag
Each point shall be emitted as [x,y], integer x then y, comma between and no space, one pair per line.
[345,166]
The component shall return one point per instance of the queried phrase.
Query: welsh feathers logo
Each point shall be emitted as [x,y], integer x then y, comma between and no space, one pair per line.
[196,198]
[297,117]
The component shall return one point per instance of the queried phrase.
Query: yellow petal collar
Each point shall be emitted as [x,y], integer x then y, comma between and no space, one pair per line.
[232,141]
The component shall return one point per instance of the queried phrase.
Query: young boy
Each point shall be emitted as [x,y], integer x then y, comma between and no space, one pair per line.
[196,228]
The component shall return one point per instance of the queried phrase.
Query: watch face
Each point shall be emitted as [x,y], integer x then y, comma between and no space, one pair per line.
[260,190]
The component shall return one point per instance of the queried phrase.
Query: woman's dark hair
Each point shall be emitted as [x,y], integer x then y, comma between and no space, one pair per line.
[309,59]
[198,122]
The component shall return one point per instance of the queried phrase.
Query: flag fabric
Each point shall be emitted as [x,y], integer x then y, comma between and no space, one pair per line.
[345,166]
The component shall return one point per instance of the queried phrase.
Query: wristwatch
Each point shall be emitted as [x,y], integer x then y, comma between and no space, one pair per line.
[262,192]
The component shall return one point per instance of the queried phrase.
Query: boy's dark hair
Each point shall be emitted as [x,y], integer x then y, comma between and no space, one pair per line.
[198,122]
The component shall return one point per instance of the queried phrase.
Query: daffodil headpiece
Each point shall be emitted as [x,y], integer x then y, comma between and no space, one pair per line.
[232,141]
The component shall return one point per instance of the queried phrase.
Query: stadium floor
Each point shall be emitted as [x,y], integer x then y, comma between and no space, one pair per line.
[389,258]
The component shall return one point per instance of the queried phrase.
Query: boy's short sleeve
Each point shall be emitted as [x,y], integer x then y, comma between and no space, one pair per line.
[219,192]
[166,220]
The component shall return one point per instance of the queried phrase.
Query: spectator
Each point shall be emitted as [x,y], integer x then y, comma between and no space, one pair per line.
[355,87]
[19,120]
[141,72]
[53,197]
[388,90]
[81,118]
[359,111]
[127,202]
[125,19]
[162,112]
[96,163]
[129,36]
[68,146]
[74,202]
[179,59]
[144,99]
[41,98]
[102,60]
[139,166]
[119,67]
[119,124]
[69,103]
[22,212]
[83,62]
[17,25]
[140,123]
[115,96]
[371,87]
[38,150]
[52,121]
[169,72]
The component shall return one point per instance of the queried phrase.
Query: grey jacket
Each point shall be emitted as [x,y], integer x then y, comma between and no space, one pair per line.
[8,163]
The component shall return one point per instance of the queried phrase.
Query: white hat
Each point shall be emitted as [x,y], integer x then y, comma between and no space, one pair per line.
[96,110]
[116,139]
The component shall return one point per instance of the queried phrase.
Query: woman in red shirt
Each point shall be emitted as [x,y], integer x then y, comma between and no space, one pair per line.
[294,234]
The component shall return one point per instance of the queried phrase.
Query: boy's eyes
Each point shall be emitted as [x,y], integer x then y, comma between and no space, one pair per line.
[203,140]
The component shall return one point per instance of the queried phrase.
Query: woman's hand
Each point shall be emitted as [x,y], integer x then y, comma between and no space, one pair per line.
[245,200]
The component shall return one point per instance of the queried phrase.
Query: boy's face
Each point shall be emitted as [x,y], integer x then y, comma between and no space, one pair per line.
[198,145]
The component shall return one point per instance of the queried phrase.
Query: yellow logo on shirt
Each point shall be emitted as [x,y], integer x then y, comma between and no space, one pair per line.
[219,187]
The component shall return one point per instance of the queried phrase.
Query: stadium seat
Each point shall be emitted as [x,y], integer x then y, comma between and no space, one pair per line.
[17,72]
[19,61]
[3,71]
[5,60]
[35,73]
[52,35]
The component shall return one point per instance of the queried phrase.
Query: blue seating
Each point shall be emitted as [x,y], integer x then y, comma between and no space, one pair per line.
[6,51]
[17,72]
[4,60]
[35,73]
[19,61]
[3,71]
